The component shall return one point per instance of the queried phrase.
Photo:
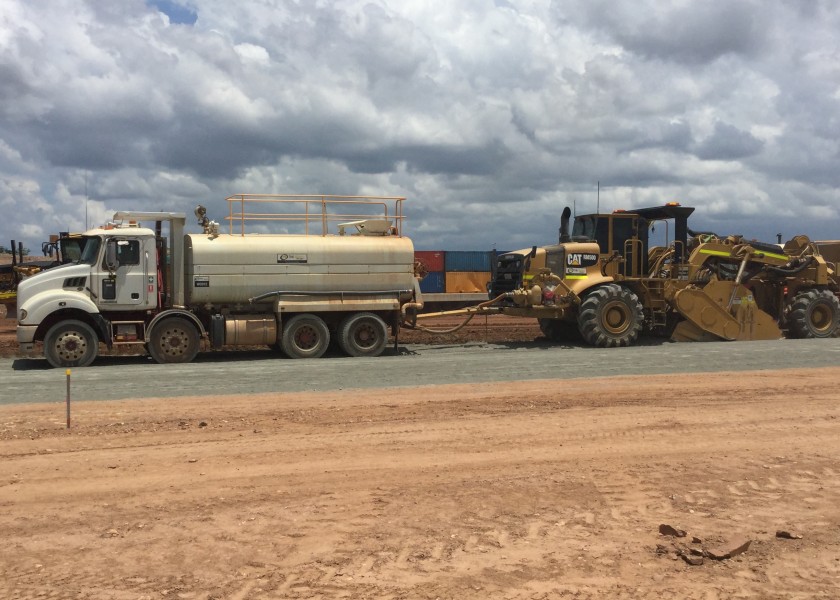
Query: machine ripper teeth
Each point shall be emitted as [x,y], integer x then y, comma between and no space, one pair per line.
[605,283]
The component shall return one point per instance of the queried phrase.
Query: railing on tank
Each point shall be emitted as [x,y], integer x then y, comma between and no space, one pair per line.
[304,214]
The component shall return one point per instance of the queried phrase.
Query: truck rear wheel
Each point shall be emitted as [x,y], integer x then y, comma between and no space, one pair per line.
[814,314]
[173,340]
[305,336]
[610,316]
[363,334]
[71,344]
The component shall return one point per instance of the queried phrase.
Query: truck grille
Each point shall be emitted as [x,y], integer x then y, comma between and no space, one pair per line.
[75,282]
[508,276]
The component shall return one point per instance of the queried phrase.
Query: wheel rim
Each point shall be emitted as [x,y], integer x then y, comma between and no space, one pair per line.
[306,337]
[365,335]
[71,346]
[615,318]
[821,318]
[174,342]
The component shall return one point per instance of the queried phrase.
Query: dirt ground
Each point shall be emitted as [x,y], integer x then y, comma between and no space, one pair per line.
[538,489]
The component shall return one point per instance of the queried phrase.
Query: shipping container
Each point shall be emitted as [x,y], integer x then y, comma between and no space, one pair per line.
[467,282]
[470,260]
[433,283]
[433,260]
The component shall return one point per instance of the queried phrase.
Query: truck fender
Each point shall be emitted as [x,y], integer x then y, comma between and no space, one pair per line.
[40,306]
[175,312]
[582,286]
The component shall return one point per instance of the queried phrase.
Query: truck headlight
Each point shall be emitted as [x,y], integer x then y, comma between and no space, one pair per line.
[23,315]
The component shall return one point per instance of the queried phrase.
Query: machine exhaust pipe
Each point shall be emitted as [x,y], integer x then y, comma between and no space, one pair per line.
[564,226]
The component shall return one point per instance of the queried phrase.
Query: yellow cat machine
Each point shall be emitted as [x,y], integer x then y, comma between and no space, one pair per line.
[604,282]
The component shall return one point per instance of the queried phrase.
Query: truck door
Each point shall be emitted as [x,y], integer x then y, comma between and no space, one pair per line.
[130,282]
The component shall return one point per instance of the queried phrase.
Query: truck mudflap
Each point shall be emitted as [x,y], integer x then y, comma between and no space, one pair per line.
[722,310]
[103,329]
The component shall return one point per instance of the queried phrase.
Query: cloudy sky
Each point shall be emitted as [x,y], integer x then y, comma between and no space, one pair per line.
[490,116]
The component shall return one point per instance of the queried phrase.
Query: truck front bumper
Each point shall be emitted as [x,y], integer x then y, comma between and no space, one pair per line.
[26,338]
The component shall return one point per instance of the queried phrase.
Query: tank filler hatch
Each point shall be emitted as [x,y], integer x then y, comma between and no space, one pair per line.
[368,227]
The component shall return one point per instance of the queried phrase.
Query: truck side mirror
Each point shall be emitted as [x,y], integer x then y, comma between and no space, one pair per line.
[111,261]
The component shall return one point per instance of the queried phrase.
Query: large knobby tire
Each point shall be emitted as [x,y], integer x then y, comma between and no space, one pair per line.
[556,330]
[363,334]
[71,344]
[305,336]
[813,314]
[174,340]
[610,316]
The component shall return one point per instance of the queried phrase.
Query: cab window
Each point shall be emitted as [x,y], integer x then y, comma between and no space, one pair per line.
[128,252]
[555,260]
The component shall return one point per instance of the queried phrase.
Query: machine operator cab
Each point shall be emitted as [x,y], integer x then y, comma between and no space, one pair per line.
[619,241]
[625,234]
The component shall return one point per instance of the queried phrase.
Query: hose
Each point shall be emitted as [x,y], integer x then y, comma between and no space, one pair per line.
[469,318]
[788,271]
[440,331]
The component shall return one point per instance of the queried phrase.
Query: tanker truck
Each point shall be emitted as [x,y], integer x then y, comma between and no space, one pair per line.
[339,270]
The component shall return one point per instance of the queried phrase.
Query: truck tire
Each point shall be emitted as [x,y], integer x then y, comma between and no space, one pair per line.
[71,344]
[305,336]
[173,340]
[556,330]
[813,314]
[610,316]
[363,334]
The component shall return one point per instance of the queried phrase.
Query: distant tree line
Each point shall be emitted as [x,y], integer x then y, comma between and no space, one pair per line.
[4,250]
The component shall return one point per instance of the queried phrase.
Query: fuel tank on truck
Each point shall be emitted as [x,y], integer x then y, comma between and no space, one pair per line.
[230,269]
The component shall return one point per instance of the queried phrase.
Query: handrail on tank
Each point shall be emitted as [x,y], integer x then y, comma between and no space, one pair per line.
[316,208]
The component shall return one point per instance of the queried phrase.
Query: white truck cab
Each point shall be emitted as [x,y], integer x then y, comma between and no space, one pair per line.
[107,295]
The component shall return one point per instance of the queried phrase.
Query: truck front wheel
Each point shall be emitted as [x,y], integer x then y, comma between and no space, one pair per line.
[305,336]
[173,340]
[363,334]
[71,344]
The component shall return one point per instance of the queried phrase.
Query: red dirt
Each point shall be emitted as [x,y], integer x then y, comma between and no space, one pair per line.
[529,490]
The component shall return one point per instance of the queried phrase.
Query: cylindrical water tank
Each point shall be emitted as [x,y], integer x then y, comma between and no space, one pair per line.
[230,269]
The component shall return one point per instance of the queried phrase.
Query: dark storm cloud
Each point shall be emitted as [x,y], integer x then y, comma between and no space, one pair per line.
[489,115]
[672,135]
[728,143]
[692,33]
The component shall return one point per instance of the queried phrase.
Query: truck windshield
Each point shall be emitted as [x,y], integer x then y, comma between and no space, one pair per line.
[91,252]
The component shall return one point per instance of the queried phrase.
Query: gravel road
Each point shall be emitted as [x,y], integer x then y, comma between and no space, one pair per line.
[117,377]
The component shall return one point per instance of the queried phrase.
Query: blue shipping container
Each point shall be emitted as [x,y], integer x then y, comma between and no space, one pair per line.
[469,260]
[433,283]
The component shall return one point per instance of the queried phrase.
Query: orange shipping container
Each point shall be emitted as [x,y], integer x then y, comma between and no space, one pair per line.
[467,282]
